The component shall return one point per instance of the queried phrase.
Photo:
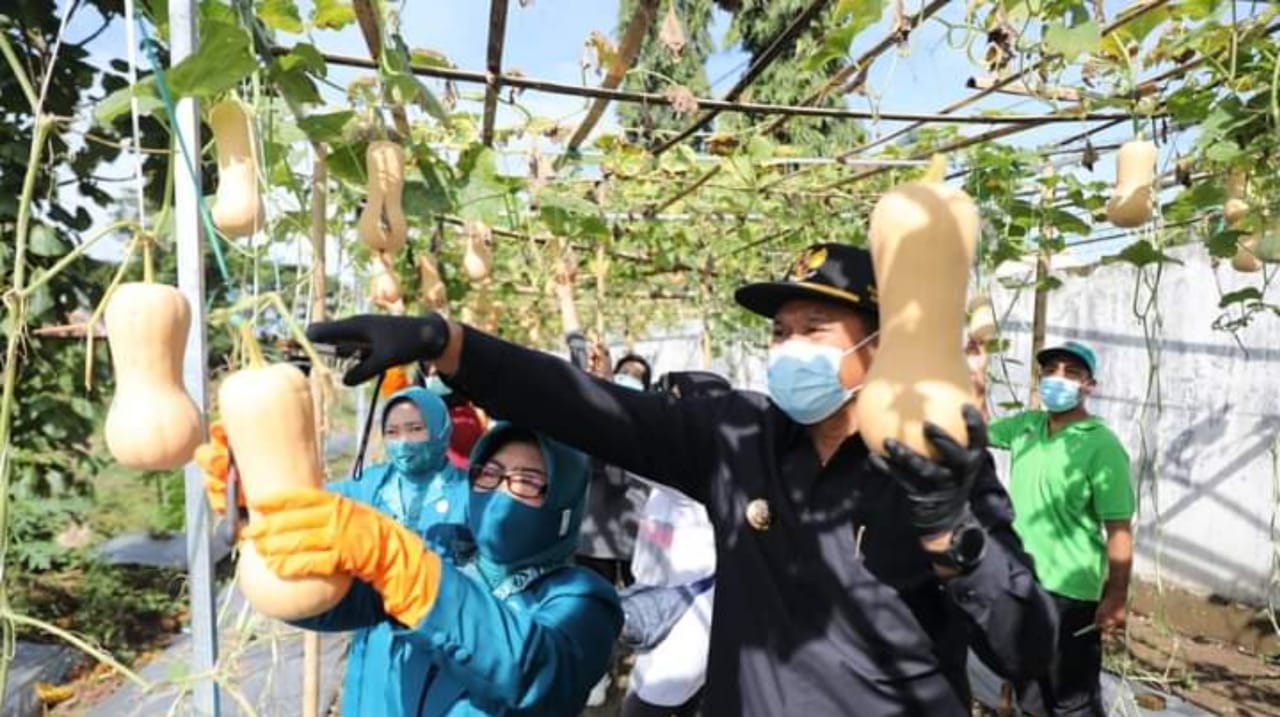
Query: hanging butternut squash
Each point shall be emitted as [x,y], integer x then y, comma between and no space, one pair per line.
[922,240]
[982,319]
[270,422]
[1236,206]
[432,291]
[152,423]
[382,225]
[1246,260]
[1130,204]
[237,206]
[1266,243]
[384,288]
[477,260]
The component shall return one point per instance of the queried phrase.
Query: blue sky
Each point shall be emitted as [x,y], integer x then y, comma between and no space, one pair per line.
[545,40]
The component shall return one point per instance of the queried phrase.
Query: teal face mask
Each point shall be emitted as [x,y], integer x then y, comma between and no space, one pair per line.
[415,458]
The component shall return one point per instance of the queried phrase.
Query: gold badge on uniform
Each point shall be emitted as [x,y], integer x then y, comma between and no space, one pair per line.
[808,263]
[758,514]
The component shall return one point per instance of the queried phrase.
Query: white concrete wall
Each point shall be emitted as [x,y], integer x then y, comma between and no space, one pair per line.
[1206,478]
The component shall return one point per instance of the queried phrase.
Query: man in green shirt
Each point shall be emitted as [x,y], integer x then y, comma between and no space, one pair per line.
[1072,502]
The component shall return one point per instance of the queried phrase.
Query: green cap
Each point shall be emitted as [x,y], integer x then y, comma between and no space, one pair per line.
[1076,349]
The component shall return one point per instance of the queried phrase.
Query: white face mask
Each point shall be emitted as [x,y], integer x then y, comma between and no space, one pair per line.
[804,379]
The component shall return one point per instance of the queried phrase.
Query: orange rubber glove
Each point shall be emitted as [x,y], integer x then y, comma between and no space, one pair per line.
[397,378]
[314,533]
[214,459]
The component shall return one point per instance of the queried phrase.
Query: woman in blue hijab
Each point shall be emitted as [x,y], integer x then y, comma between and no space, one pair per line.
[494,617]
[419,488]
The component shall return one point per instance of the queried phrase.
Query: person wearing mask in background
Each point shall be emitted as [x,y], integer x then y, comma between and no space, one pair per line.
[418,488]
[1069,481]
[615,497]
[674,566]
[847,583]
[468,423]
[487,618]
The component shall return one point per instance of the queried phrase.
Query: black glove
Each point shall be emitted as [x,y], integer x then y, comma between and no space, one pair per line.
[938,492]
[383,341]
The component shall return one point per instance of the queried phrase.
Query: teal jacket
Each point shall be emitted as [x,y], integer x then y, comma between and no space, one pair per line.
[532,644]
[378,659]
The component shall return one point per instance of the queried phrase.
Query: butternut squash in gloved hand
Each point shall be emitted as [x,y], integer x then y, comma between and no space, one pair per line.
[313,533]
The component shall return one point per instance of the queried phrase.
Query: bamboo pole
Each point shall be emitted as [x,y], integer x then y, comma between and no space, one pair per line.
[319,196]
[632,41]
[493,66]
[749,108]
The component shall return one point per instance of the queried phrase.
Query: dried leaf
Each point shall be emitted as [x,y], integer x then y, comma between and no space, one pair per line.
[1182,171]
[556,132]
[600,53]
[541,171]
[682,100]
[51,695]
[721,145]
[672,34]
[1090,156]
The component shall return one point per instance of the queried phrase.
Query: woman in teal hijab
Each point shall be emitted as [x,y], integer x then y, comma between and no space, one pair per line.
[420,489]
[491,617]
[417,487]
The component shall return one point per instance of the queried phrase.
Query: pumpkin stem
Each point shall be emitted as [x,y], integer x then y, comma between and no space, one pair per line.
[148,266]
[937,169]
[251,347]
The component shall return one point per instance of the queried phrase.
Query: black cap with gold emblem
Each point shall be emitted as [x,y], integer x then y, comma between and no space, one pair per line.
[836,273]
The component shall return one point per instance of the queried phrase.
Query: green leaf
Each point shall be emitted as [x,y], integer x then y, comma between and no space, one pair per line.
[1225,151]
[1138,28]
[1194,9]
[1141,253]
[333,14]
[1192,202]
[426,57]
[327,127]
[484,195]
[857,15]
[1249,293]
[298,87]
[570,216]
[279,15]
[43,241]
[1071,42]
[224,58]
[1066,222]
[116,104]
[1224,244]
[304,56]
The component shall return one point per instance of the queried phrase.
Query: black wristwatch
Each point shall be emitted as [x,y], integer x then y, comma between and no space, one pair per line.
[964,554]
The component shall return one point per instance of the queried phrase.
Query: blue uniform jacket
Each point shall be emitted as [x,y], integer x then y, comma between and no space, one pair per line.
[537,651]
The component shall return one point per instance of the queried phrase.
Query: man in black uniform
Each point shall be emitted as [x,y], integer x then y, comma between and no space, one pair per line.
[847,584]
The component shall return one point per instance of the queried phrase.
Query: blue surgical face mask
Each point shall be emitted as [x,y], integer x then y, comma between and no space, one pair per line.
[626,380]
[1058,394]
[804,379]
[414,458]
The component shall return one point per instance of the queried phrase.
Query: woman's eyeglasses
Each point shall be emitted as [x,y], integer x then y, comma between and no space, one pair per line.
[522,482]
